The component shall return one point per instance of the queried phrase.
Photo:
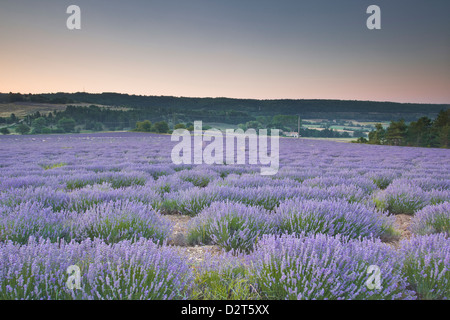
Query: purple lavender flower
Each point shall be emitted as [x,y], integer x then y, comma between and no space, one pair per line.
[125,270]
[427,265]
[324,267]
[230,225]
[432,219]
[121,220]
[331,217]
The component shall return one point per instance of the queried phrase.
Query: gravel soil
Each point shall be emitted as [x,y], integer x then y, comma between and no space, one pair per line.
[197,253]
[178,239]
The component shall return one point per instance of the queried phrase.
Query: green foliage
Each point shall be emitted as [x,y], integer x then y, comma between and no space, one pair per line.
[361,140]
[146,126]
[231,283]
[39,124]
[94,126]
[179,126]
[418,133]
[421,133]
[23,128]
[143,126]
[378,136]
[4,131]
[283,121]
[161,127]
[67,124]
[421,274]
[396,133]
[55,165]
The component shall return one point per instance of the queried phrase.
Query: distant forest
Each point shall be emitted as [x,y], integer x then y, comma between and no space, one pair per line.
[235,111]
[113,111]
[424,132]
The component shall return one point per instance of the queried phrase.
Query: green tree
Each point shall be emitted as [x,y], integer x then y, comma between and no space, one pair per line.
[179,126]
[419,132]
[12,118]
[440,130]
[4,131]
[143,126]
[284,122]
[378,136]
[66,124]
[161,127]
[396,133]
[254,125]
[361,140]
[263,120]
[38,124]
[22,128]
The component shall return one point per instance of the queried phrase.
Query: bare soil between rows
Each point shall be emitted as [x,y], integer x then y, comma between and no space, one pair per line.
[197,253]
[178,238]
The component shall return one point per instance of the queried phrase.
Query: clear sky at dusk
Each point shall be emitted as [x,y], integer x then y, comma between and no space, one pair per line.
[315,49]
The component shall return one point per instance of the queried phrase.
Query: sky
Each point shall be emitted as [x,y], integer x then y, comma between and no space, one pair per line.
[260,49]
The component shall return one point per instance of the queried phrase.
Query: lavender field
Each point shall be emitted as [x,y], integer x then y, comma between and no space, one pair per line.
[140,227]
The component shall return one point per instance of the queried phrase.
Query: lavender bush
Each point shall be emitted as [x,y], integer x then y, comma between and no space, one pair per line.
[402,198]
[230,225]
[432,219]
[325,267]
[122,220]
[31,219]
[427,265]
[125,270]
[406,197]
[332,217]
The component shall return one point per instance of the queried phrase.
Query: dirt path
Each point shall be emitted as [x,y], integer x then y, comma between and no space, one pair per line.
[179,239]
[197,252]
[402,223]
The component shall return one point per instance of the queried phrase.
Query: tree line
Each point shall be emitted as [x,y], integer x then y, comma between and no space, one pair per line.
[421,133]
[214,109]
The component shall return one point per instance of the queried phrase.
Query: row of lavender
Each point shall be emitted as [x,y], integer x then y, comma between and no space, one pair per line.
[284,267]
[231,225]
[111,187]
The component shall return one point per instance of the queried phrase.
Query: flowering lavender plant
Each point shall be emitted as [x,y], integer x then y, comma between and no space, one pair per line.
[122,220]
[427,265]
[402,198]
[125,270]
[325,267]
[332,217]
[230,225]
[432,219]
[32,219]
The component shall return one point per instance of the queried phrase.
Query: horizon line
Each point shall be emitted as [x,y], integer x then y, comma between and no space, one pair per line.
[230,98]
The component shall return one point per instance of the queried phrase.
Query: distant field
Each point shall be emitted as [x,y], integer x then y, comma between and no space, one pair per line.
[21,109]
[330,139]
[25,108]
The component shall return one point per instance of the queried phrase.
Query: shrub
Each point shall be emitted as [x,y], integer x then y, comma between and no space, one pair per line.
[32,219]
[125,270]
[332,217]
[382,178]
[402,198]
[223,277]
[115,221]
[230,225]
[432,219]
[325,267]
[427,265]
